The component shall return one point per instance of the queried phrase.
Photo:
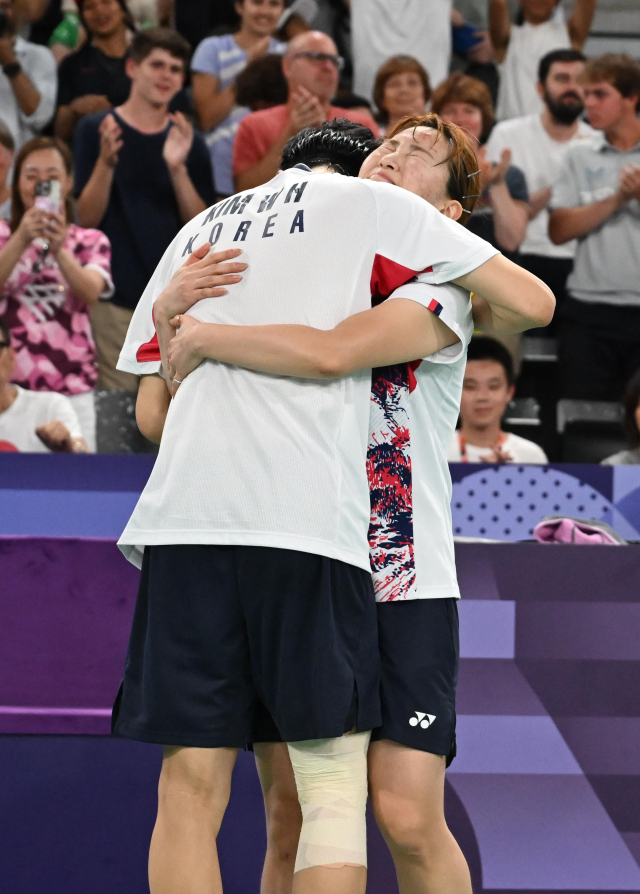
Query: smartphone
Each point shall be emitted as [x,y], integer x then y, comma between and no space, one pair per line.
[48,195]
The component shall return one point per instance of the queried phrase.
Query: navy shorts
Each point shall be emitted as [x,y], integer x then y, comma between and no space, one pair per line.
[419,653]
[223,635]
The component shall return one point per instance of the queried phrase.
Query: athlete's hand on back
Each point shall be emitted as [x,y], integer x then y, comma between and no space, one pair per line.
[203,275]
[184,353]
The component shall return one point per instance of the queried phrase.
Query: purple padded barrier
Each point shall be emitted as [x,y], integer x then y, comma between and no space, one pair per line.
[543,796]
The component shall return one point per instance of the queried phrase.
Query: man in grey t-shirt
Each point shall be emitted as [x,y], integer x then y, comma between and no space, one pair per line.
[596,199]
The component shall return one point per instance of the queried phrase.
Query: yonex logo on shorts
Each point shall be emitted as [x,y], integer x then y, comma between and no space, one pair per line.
[425,720]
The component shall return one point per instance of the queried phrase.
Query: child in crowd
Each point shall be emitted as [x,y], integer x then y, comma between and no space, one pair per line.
[51,272]
[216,64]
[34,421]
[487,390]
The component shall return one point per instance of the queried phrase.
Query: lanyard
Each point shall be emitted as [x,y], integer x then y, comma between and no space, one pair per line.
[463,445]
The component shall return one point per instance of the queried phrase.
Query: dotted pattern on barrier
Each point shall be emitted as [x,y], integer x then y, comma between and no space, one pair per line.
[507,502]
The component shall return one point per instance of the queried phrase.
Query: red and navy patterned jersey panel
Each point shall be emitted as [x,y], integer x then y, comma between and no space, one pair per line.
[390,488]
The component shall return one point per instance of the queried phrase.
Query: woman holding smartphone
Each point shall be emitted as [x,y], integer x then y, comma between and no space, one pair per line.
[51,273]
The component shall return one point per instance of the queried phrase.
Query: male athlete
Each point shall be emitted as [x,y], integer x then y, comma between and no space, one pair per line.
[412,557]
[165,503]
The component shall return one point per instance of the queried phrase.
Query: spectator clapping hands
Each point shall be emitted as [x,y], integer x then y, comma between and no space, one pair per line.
[492,173]
[630,182]
[178,143]
[306,110]
[110,141]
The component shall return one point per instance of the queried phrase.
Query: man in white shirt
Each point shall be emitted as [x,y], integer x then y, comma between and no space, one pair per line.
[28,82]
[520,47]
[34,421]
[538,144]
[486,392]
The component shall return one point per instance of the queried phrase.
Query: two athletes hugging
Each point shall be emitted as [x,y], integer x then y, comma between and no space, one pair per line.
[298,588]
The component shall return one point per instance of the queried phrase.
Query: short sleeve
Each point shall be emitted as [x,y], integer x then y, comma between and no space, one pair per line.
[414,238]
[565,193]
[206,57]
[61,410]
[200,171]
[86,149]
[140,353]
[93,252]
[449,303]
[517,184]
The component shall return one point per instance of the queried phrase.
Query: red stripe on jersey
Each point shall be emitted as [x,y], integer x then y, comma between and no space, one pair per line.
[388,275]
[151,350]
[413,382]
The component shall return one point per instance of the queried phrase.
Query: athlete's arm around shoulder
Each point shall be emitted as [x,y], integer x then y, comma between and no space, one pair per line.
[396,331]
[508,298]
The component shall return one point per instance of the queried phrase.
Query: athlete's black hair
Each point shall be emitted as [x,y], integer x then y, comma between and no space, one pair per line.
[340,144]
[483,347]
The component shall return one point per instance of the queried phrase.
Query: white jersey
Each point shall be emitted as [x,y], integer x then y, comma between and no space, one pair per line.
[417,28]
[517,93]
[30,410]
[414,411]
[519,449]
[540,158]
[263,460]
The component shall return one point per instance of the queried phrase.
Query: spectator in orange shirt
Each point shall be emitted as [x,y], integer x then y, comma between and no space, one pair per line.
[311,66]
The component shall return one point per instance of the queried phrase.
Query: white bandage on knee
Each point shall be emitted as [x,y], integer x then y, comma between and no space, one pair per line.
[331,778]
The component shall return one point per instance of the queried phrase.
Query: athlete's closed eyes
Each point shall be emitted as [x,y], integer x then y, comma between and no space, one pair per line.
[414,150]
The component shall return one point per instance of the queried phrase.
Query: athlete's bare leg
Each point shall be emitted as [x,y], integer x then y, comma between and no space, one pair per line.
[284,819]
[193,794]
[407,793]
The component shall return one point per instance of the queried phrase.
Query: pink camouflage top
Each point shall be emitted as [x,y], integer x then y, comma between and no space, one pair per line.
[49,324]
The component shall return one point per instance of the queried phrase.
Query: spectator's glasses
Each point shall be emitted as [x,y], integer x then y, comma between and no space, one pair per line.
[319,58]
[4,344]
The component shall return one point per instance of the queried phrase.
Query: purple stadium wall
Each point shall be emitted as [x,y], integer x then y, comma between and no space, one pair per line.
[544,795]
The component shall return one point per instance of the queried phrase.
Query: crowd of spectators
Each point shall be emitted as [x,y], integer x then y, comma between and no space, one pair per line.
[145,111]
